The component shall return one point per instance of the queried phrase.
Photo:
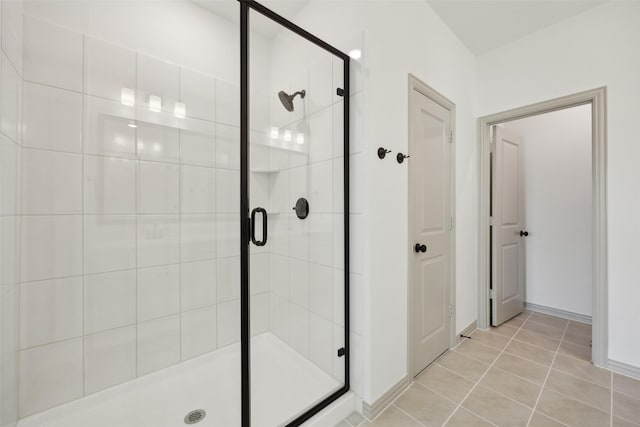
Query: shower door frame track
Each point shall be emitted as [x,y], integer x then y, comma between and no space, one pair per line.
[245,333]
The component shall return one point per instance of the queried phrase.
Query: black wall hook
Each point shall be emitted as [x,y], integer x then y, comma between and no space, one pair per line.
[382,152]
[400,157]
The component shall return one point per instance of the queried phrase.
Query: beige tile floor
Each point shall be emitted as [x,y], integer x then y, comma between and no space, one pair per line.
[532,371]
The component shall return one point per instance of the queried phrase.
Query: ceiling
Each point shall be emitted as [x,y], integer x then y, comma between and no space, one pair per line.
[483,25]
[230,10]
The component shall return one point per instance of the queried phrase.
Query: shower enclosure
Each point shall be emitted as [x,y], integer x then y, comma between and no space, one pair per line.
[173,215]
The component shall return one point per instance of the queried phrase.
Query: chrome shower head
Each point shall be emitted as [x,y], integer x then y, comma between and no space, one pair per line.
[287,100]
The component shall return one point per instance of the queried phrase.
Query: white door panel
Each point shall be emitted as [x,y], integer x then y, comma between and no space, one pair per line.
[430,127]
[507,279]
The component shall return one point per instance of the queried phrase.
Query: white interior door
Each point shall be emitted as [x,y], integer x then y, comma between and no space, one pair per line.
[430,168]
[507,248]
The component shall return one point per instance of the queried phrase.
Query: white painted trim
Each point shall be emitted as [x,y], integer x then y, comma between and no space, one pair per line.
[583,318]
[370,411]
[597,98]
[418,85]
[624,369]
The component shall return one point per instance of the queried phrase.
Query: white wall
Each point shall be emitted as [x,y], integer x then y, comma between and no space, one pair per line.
[557,180]
[596,48]
[400,37]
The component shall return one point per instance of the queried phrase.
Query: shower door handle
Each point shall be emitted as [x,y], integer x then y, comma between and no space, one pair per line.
[264,226]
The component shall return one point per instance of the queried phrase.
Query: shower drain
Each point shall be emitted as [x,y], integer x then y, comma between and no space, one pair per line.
[195,416]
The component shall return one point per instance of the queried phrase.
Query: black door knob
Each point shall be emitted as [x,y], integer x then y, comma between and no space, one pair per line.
[420,248]
[524,233]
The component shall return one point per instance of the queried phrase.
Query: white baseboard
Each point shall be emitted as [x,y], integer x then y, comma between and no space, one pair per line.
[466,331]
[372,410]
[557,312]
[624,369]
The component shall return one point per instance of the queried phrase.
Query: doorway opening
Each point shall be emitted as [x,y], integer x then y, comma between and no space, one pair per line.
[543,215]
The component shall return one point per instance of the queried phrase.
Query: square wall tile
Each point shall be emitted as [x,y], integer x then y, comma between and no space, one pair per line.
[321,239]
[159,188]
[52,55]
[197,284]
[227,235]
[321,290]
[227,191]
[158,344]
[9,371]
[157,142]
[158,240]
[110,358]
[321,90]
[198,146]
[280,316]
[279,233]
[158,291]
[10,99]
[321,349]
[51,247]
[108,69]
[109,185]
[228,323]
[51,182]
[280,275]
[198,332]
[50,310]
[198,237]
[299,274]
[228,278]
[321,186]
[338,241]
[52,118]
[9,176]
[299,237]
[338,362]
[338,184]
[338,298]
[9,316]
[260,273]
[198,93]
[12,31]
[50,375]
[8,250]
[198,189]
[299,330]
[227,147]
[108,128]
[109,243]
[260,310]
[159,78]
[227,103]
[337,128]
[109,300]
[320,136]
[279,193]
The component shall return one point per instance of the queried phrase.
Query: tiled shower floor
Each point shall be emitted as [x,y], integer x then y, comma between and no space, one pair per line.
[284,383]
[532,371]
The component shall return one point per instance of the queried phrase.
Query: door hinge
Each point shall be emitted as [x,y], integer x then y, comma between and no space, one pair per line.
[341,352]
[450,310]
[450,223]
[340,91]
[490,220]
[492,294]
[451,137]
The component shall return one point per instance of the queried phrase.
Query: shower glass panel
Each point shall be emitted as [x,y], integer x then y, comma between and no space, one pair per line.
[296,209]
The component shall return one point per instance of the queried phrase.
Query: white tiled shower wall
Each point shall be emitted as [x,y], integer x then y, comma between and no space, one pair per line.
[307,273]
[129,258]
[125,258]
[10,152]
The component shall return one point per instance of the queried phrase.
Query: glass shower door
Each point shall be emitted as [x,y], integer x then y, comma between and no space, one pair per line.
[295,207]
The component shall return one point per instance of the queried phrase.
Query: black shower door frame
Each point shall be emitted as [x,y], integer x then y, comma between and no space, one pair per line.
[245,334]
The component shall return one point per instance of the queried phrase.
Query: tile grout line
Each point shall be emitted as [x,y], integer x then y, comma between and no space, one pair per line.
[548,374]
[477,383]
[448,399]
